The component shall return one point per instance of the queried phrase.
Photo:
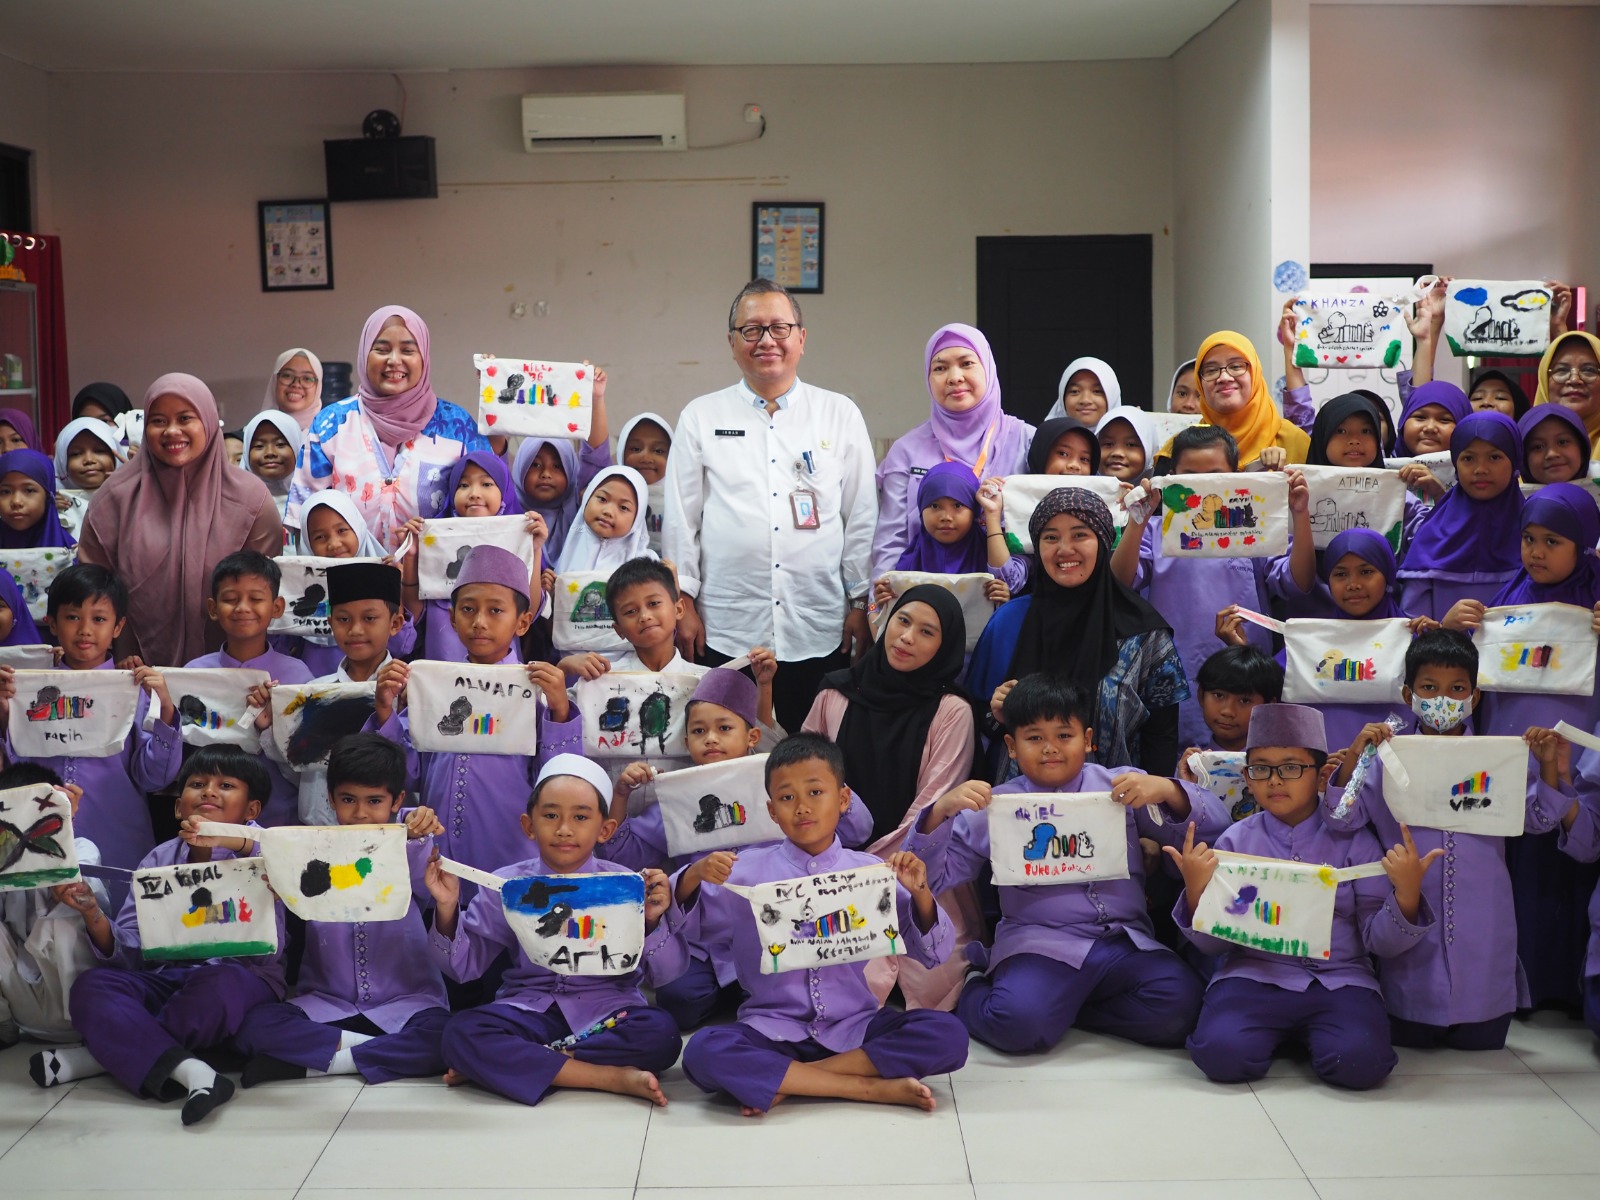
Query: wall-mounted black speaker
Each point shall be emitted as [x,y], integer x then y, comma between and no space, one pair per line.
[397,168]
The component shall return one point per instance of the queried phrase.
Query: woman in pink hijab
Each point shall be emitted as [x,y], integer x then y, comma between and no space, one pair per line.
[965,425]
[165,520]
[389,446]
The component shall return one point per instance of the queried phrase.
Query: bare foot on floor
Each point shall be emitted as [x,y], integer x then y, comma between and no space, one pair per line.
[454,1078]
[746,1111]
[911,1092]
[642,1084]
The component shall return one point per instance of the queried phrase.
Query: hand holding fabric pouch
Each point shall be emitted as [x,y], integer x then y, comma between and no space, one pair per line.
[968,589]
[333,873]
[220,909]
[1041,838]
[1546,649]
[1225,515]
[716,807]
[213,705]
[1344,662]
[823,920]
[1021,494]
[79,714]
[534,398]
[571,924]
[1459,784]
[1274,905]
[1492,317]
[36,846]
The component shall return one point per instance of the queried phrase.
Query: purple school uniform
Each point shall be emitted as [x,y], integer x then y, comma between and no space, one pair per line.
[504,1045]
[381,971]
[809,1014]
[1145,993]
[1582,843]
[480,798]
[114,814]
[1464,970]
[141,1019]
[1189,592]
[641,842]
[282,806]
[1256,1000]
[323,660]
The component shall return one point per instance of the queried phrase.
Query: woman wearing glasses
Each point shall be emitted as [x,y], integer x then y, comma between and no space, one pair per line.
[965,425]
[1234,396]
[390,446]
[1569,375]
[295,386]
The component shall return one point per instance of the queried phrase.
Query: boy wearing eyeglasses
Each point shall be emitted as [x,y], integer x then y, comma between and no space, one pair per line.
[1463,983]
[1258,1000]
[1067,954]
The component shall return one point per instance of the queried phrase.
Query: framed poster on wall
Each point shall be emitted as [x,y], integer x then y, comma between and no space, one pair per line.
[296,245]
[786,244]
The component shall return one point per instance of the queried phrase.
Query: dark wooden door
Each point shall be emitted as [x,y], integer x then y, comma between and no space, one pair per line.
[1044,301]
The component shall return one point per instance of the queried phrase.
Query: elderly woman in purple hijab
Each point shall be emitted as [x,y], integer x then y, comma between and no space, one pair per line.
[965,425]
[390,446]
[1467,546]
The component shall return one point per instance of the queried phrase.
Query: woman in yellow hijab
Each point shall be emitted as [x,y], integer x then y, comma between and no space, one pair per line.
[1569,374]
[1234,396]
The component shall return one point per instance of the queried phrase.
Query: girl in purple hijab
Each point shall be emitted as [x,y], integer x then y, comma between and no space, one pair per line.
[15,618]
[486,492]
[21,426]
[965,425]
[28,516]
[1555,445]
[950,538]
[1427,419]
[1467,547]
[1560,526]
[550,475]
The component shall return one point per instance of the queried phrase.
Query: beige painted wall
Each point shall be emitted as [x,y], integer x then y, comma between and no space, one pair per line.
[1460,136]
[156,179]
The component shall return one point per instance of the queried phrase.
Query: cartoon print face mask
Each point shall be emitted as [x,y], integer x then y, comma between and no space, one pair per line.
[1440,713]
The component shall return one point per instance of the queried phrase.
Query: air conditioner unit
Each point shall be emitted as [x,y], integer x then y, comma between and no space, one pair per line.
[616,121]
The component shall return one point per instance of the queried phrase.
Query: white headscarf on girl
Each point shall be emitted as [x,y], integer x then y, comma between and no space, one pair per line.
[285,424]
[586,550]
[307,414]
[341,503]
[97,429]
[1101,370]
[657,504]
[1142,425]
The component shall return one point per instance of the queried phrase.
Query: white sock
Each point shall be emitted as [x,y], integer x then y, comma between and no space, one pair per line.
[63,1064]
[343,1061]
[192,1076]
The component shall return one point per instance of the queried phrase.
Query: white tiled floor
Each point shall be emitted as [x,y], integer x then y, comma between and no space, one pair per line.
[1095,1120]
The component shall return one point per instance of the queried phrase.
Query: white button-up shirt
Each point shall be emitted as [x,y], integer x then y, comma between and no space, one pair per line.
[730,527]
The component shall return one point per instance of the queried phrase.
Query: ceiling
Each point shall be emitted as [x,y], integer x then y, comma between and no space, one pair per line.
[414,35]
[423,35]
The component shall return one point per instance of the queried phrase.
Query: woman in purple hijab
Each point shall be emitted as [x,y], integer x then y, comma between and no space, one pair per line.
[965,425]
[1468,546]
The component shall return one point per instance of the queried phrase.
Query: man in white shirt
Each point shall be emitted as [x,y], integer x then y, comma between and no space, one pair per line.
[770,510]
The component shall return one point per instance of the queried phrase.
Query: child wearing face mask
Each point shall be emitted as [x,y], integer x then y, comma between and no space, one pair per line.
[1466,546]
[87,451]
[1460,985]
[1560,527]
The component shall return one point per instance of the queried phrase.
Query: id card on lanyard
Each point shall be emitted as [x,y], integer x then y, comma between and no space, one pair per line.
[803,500]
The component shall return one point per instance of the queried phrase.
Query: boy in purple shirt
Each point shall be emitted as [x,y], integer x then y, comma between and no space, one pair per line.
[244,602]
[480,797]
[370,1000]
[145,1022]
[88,607]
[1257,1000]
[1068,954]
[546,1030]
[817,1032]
[1463,983]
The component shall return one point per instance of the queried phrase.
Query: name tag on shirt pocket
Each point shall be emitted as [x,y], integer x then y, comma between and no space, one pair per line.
[728,432]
